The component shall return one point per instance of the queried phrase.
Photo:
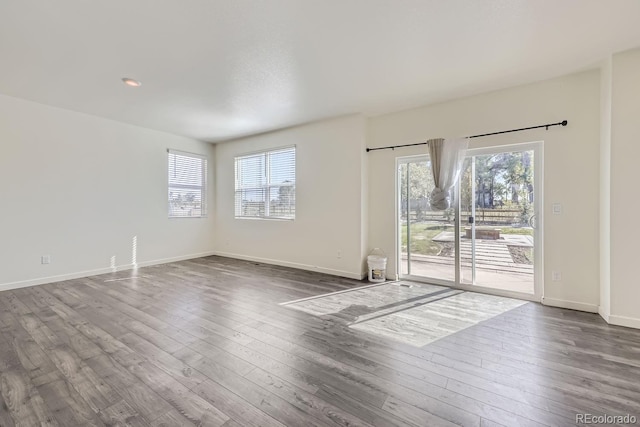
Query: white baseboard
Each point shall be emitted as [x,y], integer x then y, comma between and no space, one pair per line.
[612,319]
[52,279]
[174,259]
[629,322]
[96,272]
[572,305]
[341,273]
[604,314]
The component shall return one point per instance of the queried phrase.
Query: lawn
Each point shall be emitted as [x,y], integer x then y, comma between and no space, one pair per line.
[527,231]
[422,235]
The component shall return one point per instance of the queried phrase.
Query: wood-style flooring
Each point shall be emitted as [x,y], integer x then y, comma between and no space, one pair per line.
[204,342]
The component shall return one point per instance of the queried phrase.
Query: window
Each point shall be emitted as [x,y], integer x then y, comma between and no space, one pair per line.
[266,184]
[187,185]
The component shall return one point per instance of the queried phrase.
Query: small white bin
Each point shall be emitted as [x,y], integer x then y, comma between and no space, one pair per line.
[377,264]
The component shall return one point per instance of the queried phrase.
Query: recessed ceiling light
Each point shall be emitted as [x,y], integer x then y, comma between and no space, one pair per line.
[131,82]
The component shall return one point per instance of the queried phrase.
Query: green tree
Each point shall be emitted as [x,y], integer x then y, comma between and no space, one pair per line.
[419,187]
[285,197]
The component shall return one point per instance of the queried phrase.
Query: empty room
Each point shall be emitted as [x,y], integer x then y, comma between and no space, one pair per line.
[272,213]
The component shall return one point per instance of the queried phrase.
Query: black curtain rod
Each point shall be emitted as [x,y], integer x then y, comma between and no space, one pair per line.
[547,126]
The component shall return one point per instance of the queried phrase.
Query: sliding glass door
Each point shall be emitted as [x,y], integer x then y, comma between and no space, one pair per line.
[498,202]
[489,239]
[427,242]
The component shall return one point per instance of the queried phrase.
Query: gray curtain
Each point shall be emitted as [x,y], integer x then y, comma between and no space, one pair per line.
[435,153]
[447,157]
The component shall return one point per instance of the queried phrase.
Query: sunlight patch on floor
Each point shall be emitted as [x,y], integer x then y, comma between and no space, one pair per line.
[427,323]
[409,312]
[366,300]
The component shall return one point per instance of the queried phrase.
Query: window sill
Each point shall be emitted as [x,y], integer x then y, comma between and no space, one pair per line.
[258,218]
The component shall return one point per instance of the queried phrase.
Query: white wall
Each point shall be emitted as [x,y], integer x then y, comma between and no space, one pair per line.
[330,214]
[625,203]
[79,188]
[571,165]
[605,188]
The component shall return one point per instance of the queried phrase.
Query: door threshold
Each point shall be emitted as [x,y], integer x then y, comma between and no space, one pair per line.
[475,288]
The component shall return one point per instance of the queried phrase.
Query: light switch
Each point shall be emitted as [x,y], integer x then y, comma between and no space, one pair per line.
[557,208]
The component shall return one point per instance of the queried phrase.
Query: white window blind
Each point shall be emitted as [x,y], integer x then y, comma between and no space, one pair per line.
[266,184]
[187,185]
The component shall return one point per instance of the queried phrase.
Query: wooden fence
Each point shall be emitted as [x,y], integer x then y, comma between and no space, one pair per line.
[487,216]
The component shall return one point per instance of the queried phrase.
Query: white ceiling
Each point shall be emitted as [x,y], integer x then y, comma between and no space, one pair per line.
[219,69]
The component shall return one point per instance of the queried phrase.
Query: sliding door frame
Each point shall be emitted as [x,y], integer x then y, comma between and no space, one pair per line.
[538,294]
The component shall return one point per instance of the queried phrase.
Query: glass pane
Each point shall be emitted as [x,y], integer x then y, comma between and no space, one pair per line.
[185,202]
[504,235]
[404,260]
[429,234]
[250,202]
[250,171]
[282,166]
[466,211]
[185,170]
[282,201]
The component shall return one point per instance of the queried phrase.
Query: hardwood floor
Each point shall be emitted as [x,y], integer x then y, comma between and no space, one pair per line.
[204,342]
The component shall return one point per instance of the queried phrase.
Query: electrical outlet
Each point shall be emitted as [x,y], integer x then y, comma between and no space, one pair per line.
[556,276]
[339,255]
[45,259]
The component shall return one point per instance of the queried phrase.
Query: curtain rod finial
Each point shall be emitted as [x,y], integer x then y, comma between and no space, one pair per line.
[564,123]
